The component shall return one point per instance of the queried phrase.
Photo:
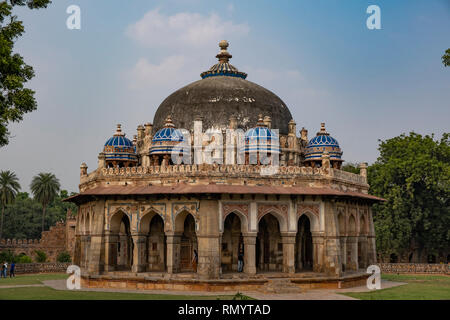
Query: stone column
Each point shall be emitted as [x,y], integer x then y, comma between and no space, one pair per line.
[250,253]
[208,256]
[371,244]
[288,240]
[331,241]
[332,265]
[343,243]
[352,253]
[111,241]
[82,251]
[173,240]
[371,250]
[96,254]
[318,247]
[77,251]
[139,248]
[362,248]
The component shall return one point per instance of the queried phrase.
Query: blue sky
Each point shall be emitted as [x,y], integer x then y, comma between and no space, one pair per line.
[318,56]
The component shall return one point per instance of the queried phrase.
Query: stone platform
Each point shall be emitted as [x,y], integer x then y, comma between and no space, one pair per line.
[230,282]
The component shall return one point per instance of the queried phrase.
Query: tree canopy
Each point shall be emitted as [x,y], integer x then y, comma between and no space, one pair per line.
[23,217]
[446,58]
[15,99]
[45,187]
[9,187]
[413,174]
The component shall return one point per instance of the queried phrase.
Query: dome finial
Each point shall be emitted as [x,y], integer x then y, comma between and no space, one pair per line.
[260,122]
[223,68]
[169,122]
[322,131]
[119,130]
[224,56]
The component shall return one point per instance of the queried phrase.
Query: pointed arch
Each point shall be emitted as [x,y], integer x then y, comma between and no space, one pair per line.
[232,242]
[313,220]
[341,224]
[282,220]
[304,255]
[363,230]
[180,218]
[87,224]
[352,225]
[242,217]
[145,220]
[269,246]
[116,219]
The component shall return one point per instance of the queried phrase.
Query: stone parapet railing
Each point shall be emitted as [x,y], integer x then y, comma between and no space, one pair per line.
[228,170]
[429,268]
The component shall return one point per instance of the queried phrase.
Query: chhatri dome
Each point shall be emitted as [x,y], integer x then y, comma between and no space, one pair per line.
[323,143]
[223,92]
[119,150]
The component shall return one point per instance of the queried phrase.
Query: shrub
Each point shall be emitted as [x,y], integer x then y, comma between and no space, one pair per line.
[64,257]
[41,256]
[23,258]
[7,256]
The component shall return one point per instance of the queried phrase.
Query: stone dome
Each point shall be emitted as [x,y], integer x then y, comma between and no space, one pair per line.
[223,93]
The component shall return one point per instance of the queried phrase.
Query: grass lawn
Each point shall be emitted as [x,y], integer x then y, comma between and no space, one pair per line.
[47,293]
[418,287]
[22,279]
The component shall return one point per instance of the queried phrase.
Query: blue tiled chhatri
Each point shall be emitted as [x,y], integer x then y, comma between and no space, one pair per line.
[320,143]
[119,148]
[261,138]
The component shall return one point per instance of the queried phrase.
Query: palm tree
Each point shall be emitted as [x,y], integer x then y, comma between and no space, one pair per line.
[45,187]
[9,186]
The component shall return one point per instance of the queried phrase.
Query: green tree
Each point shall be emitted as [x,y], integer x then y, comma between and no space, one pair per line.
[23,217]
[15,99]
[413,174]
[350,167]
[9,187]
[45,187]
[41,256]
[446,58]
[64,257]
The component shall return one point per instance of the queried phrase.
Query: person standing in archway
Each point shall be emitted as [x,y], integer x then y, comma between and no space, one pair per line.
[240,261]
[195,261]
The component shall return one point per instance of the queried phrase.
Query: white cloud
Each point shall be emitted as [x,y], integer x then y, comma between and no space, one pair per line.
[145,75]
[179,30]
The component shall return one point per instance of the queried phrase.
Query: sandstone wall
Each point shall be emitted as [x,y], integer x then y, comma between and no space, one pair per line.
[436,268]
